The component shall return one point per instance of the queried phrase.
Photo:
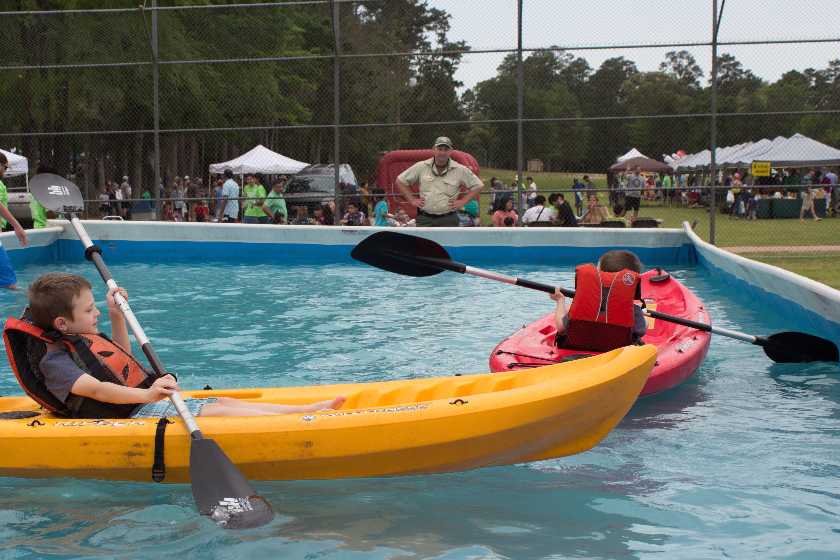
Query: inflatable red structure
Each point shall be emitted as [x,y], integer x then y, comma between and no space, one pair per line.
[394,163]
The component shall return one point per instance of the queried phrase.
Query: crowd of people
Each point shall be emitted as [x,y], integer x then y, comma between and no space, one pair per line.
[448,196]
[744,192]
[188,199]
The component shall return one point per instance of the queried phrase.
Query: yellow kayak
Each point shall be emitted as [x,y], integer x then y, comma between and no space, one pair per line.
[401,427]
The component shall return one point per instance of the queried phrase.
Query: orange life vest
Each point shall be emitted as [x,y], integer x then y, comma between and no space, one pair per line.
[601,316]
[96,355]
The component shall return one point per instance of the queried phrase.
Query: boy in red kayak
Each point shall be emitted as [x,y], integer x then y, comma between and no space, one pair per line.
[603,315]
[92,376]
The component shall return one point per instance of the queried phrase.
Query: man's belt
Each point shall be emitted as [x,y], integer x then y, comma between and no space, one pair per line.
[430,215]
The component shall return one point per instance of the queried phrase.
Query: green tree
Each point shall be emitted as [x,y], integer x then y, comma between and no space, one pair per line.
[547,95]
[607,97]
[682,66]
[656,93]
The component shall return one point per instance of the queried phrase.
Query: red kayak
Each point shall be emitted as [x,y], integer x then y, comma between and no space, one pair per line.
[680,349]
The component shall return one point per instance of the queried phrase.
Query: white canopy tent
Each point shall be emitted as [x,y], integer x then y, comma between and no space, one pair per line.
[260,160]
[748,152]
[634,153]
[18,165]
[800,150]
[796,151]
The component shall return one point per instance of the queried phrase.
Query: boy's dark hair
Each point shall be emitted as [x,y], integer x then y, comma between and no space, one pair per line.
[228,173]
[613,261]
[540,199]
[51,296]
[3,158]
[552,197]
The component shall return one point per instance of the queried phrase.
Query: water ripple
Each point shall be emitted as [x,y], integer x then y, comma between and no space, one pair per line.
[740,461]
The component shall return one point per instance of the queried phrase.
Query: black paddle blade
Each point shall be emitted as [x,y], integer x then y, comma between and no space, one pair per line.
[56,193]
[795,347]
[220,490]
[400,253]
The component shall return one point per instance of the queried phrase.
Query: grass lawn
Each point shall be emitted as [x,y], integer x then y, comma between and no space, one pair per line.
[544,180]
[823,267]
[731,232]
[821,264]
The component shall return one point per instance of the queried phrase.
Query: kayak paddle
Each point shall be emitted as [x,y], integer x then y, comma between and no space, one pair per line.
[219,489]
[410,255]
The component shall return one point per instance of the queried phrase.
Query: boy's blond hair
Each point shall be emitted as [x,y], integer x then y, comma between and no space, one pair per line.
[51,296]
[613,261]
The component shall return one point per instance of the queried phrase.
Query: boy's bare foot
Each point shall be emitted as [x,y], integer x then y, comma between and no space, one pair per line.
[332,404]
[337,402]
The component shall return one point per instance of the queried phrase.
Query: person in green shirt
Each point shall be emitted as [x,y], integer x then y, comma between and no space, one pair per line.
[39,213]
[668,190]
[468,215]
[275,205]
[4,200]
[254,194]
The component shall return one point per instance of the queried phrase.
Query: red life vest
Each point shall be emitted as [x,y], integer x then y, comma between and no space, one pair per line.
[601,316]
[96,355]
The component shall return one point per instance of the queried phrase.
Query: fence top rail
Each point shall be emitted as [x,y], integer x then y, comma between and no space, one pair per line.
[144,8]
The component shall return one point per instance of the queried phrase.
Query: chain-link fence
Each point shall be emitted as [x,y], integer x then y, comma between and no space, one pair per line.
[160,91]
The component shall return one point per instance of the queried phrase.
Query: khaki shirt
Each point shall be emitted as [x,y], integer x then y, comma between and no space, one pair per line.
[438,190]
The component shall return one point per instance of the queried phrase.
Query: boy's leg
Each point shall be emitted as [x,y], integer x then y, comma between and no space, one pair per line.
[219,409]
[234,407]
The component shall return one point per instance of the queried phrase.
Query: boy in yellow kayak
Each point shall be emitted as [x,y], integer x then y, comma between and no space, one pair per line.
[87,375]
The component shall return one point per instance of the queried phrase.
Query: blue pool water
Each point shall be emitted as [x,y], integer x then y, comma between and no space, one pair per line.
[741,461]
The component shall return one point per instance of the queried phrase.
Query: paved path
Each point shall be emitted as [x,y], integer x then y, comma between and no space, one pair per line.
[784,249]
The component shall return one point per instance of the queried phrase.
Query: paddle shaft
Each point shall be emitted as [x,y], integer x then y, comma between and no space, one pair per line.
[134,325]
[461,268]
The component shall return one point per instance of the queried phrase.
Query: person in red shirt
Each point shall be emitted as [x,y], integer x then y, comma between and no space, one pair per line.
[201,211]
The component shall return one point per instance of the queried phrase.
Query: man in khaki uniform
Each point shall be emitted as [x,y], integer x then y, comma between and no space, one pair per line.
[440,179]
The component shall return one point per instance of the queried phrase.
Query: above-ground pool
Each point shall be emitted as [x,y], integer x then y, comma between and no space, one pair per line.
[740,461]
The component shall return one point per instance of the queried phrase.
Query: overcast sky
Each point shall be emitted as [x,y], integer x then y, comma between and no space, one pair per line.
[489,24]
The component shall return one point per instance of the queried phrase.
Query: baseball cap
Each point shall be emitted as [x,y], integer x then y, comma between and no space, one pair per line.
[125,177]
[443,141]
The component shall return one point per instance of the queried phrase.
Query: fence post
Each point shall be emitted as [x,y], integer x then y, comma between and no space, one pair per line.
[713,131]
[156,108]
[337,109]
[520,102]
